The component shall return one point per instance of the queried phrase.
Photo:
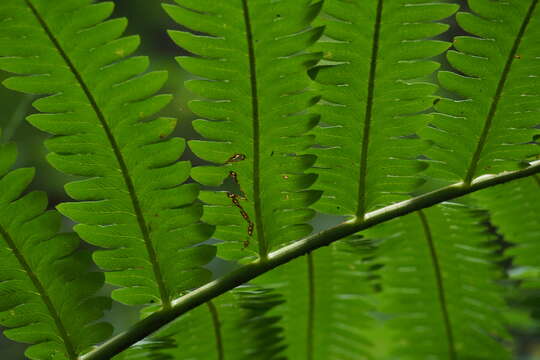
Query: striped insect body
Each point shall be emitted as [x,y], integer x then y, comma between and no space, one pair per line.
[235,158]
[235,198]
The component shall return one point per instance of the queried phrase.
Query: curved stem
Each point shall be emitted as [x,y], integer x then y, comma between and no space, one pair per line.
[205,293]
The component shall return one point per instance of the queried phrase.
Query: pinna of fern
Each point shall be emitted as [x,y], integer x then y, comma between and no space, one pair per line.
[492,120]
[133,203]
[520,200]
[48,293]
[252,56]
[233,326]
[362,125]
[440,297]
[375,91]
[325,313]
[393,102]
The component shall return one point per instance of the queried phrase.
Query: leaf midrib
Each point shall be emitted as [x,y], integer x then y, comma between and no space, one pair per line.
[163,291]
[217,330]
[440,285]
[368,116]
[68,344]
[263,246]
[471,172]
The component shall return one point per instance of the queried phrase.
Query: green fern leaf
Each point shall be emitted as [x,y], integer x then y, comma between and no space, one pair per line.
[132,204]
[234,326]
[326,303]
[47,293]
[253,59]
[373,99]
[439,288]
[514,210]
[490,127]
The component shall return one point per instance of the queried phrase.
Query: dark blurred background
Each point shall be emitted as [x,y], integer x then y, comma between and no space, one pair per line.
[147,19]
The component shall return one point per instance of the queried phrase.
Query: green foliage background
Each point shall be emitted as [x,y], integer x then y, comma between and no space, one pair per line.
[148,19]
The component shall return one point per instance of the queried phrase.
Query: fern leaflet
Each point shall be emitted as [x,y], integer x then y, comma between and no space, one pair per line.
[132,204]
[326,303]
[253,59]
[506,203]
[372,103]
[439,288]
[46,286]
[492,123]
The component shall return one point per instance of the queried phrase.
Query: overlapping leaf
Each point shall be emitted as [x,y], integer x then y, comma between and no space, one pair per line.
[47,291]
[327,300]
[234,326]
[490,127]
[133,203]
[252,56]
[515,210]
[439,287]
[374,90]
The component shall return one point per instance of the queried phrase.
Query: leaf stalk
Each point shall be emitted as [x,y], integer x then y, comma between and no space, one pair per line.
[248,272]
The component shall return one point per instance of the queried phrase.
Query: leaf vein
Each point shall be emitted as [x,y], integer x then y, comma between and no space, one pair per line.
[263,246]
[368,117]
[217,330]
[440,285]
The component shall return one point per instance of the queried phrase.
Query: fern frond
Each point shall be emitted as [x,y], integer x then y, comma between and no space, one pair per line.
[491,127]
[47,291]
[234,326]
[373,99]
[132,204]
[326,304]
[253,61]
[439,286]
[514,210]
